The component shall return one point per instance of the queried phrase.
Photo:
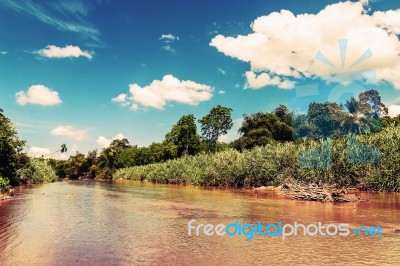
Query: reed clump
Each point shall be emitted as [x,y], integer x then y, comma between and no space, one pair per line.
[368,162]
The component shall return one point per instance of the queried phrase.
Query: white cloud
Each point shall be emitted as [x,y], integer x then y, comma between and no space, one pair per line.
[69,131]
[74,148]
[168,48]
[169,89]
[3,52]
[255,81]
[284,45]
[38,94]
[169,38]
[134,107]
[121,99]
[52,51]
[38,152]
[221,92]
[394,110]
[223,138]
[104,142]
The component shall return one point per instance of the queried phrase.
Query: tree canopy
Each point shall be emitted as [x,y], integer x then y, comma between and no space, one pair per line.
[216,123]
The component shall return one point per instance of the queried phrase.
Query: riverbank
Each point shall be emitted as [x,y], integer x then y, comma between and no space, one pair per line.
[368,162]
[7,195]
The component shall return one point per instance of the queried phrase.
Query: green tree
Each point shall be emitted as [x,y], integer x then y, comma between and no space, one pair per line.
[10,149]
[184,135]
[326,117]
[283,114]
[261,128]
[76,166]
[216,123]
[372,109]
[353,119]
[370,104]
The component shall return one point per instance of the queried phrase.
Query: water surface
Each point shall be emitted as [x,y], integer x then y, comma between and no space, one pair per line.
[133,223]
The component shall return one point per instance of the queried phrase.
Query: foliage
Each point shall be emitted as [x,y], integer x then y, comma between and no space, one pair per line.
[276,161]
[216,123]
[261,128]
[325,117]
[184,136]
[4,185]
[10,149]
[37,171]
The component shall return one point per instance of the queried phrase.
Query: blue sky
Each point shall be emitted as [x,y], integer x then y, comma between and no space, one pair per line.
[83,72]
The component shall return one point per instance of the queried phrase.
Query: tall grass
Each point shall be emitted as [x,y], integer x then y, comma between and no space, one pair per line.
[368,162]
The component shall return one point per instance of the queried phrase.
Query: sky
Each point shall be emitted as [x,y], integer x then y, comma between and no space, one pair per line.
[86,72]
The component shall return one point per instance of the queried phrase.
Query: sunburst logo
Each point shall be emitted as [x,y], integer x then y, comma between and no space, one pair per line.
[349,77]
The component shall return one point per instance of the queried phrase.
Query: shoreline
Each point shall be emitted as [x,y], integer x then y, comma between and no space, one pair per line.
[347,195]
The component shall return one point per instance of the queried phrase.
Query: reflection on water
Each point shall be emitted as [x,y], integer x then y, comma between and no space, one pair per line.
[130,223]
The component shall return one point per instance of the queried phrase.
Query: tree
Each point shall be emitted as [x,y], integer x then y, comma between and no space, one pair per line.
[63,148]
[10,149]
[216,123]
[326,117]
[370,104]
[261,128]
[372,108]
[353,120]
[184,135]
[283,114]
[76,166]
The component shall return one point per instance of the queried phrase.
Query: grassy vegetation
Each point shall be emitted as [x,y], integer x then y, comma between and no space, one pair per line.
[273,163]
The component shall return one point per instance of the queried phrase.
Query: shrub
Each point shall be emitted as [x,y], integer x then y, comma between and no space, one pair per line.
[4,185]
[37,171]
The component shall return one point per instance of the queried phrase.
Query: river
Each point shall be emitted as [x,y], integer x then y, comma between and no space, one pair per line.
[134,223]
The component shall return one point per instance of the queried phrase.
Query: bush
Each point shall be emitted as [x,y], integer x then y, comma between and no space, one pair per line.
[4,185]
[37,171]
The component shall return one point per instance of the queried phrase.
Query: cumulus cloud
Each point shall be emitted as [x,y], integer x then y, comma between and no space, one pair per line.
[52,51]
[38,94]
[221,92]
[3,52]
[255,81]
[38,152]
[394,110]
[285,46]
[104,142]
[121,99]
[69,131]
[74,148]
[160,92]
